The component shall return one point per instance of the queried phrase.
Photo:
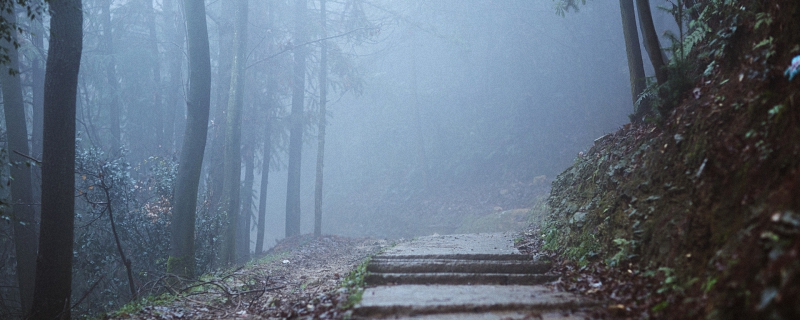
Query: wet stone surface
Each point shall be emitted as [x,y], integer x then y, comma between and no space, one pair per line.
[469,276]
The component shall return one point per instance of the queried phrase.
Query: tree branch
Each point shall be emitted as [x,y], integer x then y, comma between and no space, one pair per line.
[289,48]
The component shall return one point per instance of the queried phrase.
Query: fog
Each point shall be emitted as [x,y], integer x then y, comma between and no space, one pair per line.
[432,103]
[507,91]
[438,112]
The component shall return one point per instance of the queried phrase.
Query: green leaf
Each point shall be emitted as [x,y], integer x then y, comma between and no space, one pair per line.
[660,306]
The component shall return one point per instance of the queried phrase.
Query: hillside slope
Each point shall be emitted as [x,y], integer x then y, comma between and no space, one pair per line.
[708,196]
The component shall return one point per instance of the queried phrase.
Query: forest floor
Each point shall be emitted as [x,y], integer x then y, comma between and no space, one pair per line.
[300,277]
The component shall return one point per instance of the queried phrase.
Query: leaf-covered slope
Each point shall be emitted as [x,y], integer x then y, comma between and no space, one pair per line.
[714,190]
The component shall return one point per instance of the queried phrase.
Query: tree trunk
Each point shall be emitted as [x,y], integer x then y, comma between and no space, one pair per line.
[51,296]
[267,149]
[262,198]
[243,233]
[181,257]
[111,76]
[216,167]
[651,43]
[175,53]
[233,133]
[37,71]
[323,93]
[155,67]
[21,188]
[296,118]
[635,64]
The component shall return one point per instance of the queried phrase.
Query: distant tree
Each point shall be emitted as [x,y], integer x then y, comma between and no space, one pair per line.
[216,162]
[51,297]
[113,108]
[267,147]
[635,64]
[632,46]
[173,106]
[245,218]
[651,42]
[323,95]
[262,198]
[296,126]
[233,133]
[181,258]
[25,242]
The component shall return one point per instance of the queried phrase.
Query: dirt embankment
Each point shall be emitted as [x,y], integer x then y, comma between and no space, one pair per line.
[705,203]
[301,276]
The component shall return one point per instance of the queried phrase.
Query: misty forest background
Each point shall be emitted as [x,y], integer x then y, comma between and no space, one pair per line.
[435,111]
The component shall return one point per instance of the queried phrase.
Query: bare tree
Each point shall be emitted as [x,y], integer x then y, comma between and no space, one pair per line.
[51,296]
[296,118]
[635,64]
[25,241]
[323,95]
[181,258]
[231,186]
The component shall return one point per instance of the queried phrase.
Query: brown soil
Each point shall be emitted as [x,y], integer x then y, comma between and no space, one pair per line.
[300,277]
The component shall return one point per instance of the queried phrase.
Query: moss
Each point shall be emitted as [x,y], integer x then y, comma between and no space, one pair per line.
[182,266]
[134,307]
[355,284]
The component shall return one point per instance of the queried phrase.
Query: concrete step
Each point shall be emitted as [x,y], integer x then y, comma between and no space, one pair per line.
[420,300]
[396,265]
[481,246]
[431,254]
[452,278]
[502,315]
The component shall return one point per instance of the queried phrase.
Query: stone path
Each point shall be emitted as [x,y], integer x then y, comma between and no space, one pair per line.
[470,276]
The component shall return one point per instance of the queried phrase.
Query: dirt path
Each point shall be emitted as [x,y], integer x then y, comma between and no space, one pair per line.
[300,277]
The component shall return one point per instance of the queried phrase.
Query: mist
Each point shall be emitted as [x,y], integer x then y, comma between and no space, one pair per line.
[438,115]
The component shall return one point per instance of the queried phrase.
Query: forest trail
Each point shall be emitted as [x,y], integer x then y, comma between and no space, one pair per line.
[468,276]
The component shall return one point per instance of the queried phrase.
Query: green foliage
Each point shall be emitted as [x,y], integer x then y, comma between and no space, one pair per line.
[133,307]
[142,208]
[587,247]
[626,249]
[354,284]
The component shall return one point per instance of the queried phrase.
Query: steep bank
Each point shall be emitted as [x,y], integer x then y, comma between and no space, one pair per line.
[710,192]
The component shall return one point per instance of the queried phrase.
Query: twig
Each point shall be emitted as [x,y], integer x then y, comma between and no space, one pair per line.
[289,48]
[86,294]
[28,157]
[125,260]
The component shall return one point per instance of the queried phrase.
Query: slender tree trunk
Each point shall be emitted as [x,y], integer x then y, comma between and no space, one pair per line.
[267,149]
[181,257]
[262,198]
[216,171]
[21,188]
[155,67]
[635,64]
[651,43]
[247,205]
[233,132]
[51,296]
[323,93]
[37,70]
[114,108]
[296,130]
[37,90]
[175,52]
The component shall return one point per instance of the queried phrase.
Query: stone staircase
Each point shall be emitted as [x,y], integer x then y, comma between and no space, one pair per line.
[473,276]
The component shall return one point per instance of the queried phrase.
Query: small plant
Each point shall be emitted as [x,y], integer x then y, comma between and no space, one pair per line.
[354,284]
[625,252]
